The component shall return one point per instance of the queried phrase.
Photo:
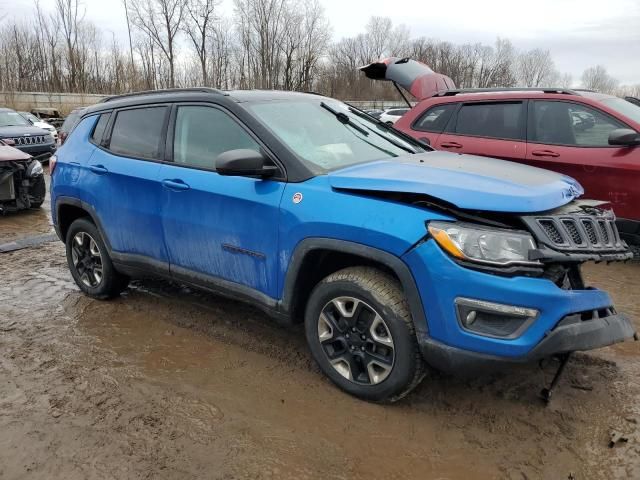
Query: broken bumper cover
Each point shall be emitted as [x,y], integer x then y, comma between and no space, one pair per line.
[558,320]
[582,336]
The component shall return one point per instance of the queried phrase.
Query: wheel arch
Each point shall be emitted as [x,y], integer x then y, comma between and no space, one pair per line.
[69,209]
[323,256]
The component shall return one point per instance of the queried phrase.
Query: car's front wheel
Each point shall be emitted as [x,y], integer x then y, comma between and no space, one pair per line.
[89,262]
[361,334]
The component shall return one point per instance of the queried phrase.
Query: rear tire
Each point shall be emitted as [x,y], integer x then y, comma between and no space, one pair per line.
[89,262]
[360,332]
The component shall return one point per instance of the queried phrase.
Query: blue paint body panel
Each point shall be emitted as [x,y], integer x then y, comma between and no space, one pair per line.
[466,181]
[225,227]
[441,281]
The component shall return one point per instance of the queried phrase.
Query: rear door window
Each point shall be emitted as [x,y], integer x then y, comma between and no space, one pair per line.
[571,124]
[435,119]
[502,120]
[139,132]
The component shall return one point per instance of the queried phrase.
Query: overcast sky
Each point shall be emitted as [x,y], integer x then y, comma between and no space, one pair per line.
[579,33]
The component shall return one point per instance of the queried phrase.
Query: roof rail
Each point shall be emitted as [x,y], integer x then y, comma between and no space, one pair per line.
[165,90]
[448,93]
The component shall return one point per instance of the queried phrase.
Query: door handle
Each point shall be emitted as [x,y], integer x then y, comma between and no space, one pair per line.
[99,169]
[175,184]
[451,145]
[545,153]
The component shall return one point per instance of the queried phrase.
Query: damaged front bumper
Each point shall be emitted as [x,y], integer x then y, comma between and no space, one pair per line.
[21,186]
[556,318]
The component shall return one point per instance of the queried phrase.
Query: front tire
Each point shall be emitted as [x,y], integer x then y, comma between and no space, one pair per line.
[89,262]
[361,334]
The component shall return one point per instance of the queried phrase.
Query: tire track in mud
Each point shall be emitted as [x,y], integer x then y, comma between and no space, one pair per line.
[170,383]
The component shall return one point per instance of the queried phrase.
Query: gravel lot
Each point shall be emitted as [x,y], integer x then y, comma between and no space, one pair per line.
[165,382]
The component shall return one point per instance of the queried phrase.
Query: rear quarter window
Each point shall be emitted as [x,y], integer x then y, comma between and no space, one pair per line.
[101,126]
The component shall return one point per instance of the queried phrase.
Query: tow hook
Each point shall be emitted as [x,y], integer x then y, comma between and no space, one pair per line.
[546,393]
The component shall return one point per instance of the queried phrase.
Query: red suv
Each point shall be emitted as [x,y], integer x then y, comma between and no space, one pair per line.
[589,136]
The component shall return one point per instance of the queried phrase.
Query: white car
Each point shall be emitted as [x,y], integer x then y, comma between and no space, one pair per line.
[36,122]
[392,115]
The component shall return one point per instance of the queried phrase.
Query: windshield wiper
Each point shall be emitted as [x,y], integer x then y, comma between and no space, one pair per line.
[386,127]
[344,119]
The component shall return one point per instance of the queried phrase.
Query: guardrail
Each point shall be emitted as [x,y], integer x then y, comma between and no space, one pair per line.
[65,102]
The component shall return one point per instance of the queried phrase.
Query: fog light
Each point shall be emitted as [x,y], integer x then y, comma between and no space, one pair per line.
[470,318]
[494,319]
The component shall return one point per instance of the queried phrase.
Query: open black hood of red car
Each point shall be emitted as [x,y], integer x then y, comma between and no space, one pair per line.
[415,77]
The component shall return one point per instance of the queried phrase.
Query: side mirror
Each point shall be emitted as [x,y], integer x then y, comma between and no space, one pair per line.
[9,142]
[425,141]
[244,163]
[624,137]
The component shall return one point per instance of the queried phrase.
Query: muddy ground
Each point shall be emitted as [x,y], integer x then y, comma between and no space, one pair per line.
[169,383]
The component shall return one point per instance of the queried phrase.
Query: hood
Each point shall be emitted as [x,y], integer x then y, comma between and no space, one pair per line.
[21,131]
[44,126]
[465,181]
[8,154]
[415,77]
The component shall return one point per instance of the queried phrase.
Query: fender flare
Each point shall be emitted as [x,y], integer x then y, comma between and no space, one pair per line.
[75,202]
[394,263]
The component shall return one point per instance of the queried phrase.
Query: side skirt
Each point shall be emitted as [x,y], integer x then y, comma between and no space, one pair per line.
[139,266]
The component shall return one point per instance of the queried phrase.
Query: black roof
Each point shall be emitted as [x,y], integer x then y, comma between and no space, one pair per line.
[194,94]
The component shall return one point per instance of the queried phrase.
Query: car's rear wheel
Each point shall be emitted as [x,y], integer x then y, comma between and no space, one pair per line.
[89,262]
[361,334]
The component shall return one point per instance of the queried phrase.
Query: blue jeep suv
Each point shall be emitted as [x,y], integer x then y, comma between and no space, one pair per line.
[396,257]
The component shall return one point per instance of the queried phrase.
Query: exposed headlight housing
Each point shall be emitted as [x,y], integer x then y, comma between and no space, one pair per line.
[35,169]
[485,245]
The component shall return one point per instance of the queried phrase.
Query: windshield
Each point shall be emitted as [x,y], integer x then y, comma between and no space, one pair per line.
[624,107]
[329,134]
[29,116]
[12,119]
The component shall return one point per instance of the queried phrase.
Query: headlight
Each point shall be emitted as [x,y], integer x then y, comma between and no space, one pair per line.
[35,169]
[486,245]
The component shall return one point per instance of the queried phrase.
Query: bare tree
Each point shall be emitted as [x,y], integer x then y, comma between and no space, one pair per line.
[535,68]
[596,78]
[69,19]
[565,80]
[199,26]
[160,22]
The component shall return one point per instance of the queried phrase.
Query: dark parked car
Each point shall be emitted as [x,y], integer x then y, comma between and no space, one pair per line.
[22,183]
[395,256]
[24,136]
[69,124]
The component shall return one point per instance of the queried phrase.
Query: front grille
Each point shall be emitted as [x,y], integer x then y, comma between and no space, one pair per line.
[604,231]
[30,140]
[591,231]
[551,230]
[574,229]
